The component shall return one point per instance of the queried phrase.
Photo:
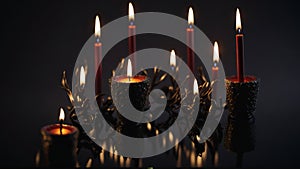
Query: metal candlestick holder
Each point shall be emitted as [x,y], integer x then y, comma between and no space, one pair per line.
[241,103]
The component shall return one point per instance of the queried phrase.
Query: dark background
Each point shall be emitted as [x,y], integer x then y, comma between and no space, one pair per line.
[40,39]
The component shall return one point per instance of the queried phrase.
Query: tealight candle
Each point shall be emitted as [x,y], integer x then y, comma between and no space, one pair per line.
[59,143]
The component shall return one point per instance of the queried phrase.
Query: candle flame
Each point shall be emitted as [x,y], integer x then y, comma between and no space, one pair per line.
[238,22]
[130,12]
[171,137]
[216,53]
[191,16]
[82,76]
[129,68]
[89,163]
[173,59]
[198,138]
[97,27]
[61,115]
[101,158]
[195,87]
[149,127]
[156,132]
[121,161]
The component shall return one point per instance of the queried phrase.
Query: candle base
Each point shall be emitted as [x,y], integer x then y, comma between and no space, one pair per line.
[58,150]
[241,103]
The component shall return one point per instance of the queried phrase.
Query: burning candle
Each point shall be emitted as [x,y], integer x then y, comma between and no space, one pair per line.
[131,35]
[98,55]
[138,88]
[239,43]
[190,40]
[59,143]
[215,68]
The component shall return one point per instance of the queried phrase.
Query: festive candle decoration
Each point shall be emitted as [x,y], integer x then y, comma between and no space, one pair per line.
[190,40]
[131,35]
[98,55]
[59,142]
[239,41]
[137,83]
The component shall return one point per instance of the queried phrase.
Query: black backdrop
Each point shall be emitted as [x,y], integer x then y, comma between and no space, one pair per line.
[40,39]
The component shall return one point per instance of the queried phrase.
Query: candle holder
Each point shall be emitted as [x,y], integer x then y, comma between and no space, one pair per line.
[58,149]
[241,103]
[138,93]
[138,90]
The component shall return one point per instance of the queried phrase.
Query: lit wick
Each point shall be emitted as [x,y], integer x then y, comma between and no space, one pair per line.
[129,70]
[131,13]
[97,29]
[191,17]
[61,119]
[173,60]
[216,57]
[82,77]
[196,90]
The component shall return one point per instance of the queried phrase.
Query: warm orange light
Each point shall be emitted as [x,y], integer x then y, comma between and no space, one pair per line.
[82,76]
[130,12]
[57,131]
[238,22]
[97,27]
[191,16]
[171,137]
[216,53]
[149,127]
[129,68]
[173,59]
[198,138]
[195,87]
[61,115]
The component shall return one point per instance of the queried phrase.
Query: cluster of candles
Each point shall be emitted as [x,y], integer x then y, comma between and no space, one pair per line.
[61,129]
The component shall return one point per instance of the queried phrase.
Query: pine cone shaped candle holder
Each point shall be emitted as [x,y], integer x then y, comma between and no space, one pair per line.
[241,103]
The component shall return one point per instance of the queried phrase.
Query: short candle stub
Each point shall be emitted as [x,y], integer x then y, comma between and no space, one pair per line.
[241,102]
[58,149]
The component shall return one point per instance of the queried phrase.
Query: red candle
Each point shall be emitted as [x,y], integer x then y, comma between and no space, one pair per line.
[98,56]
[215,69]
[131,35]
[239,43]
[190,40]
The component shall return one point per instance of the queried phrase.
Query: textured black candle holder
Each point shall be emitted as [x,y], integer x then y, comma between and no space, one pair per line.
[138,91]
[241,103]
[58,150]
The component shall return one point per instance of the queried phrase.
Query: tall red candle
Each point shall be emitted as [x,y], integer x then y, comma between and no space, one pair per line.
[239,43]
[190,40]
[131,36]
[98,56]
